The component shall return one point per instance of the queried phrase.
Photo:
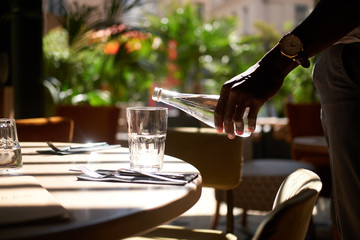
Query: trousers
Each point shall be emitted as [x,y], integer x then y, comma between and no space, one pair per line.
[336,76]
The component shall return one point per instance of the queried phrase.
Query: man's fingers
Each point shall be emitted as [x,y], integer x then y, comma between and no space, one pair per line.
[252,115]
[220,109]
[228,115]
[238,119]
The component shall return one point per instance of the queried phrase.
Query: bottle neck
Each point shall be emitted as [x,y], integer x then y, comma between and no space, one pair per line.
[160,94]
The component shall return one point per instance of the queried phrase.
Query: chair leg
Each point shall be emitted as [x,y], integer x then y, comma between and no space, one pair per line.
[215,217]
[230,214]
[244,218]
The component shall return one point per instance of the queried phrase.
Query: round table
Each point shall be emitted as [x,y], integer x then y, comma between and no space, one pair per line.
[101,210]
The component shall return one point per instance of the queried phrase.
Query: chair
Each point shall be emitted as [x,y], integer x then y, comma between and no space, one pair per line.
[56,129]
[218,159]
[92,124]
[289,218]
[305,121]
[292,209]
[261,179]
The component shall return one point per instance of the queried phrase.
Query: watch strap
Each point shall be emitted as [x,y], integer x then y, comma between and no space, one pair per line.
[302,59]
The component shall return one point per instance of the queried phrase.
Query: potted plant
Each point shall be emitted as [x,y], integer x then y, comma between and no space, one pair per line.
[93,63]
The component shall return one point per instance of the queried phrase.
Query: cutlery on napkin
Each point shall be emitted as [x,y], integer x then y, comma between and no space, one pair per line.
[133,176]
[78,148]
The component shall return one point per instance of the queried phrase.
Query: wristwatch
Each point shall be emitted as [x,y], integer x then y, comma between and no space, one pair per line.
[292,47]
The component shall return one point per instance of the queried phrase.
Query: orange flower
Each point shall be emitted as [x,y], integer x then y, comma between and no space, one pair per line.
[172,51]
[112,47]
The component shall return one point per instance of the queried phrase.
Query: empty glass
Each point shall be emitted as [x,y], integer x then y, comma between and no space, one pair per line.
[147,128]
[10,153]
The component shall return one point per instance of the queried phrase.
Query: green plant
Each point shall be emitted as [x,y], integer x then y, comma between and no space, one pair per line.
[194,52]
[299,84]
[99,62]
[95,58]
[199,56]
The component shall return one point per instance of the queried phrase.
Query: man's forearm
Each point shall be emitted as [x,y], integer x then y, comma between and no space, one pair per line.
[328,23]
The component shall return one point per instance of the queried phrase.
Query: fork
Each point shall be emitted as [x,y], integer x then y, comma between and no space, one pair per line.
[94,174]
[53,147]
[84,146]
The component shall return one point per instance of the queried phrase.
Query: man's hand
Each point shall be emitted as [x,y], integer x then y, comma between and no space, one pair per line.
[250,89]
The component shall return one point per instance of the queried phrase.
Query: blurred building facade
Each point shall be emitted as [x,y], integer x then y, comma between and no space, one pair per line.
[283,15]
[277,13]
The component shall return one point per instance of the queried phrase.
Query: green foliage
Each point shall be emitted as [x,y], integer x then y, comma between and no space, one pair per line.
[248,49]
[96,59]
[212,52]
[198,56]
[299,84]
[202,47]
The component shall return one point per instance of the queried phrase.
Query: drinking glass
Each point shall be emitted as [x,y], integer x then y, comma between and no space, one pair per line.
[147,128]
[10,152]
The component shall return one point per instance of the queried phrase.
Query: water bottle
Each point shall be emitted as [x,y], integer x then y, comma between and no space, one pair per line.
[199,106]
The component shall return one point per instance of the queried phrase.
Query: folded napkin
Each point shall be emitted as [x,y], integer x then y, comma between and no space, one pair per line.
[132,176]
[78,149]
[23,199]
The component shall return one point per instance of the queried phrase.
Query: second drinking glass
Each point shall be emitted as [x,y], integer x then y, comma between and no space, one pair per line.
[10,152]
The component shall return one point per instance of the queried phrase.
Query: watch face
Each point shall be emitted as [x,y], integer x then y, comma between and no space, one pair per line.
[291,46]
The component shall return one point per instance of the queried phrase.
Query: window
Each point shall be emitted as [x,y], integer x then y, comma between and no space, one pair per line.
[301,12]
[200,9]
[245,19]
[56,7]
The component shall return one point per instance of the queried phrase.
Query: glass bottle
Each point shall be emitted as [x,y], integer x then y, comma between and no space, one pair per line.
[199,106]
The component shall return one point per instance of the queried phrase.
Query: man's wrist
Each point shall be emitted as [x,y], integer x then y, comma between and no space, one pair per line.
[280,63]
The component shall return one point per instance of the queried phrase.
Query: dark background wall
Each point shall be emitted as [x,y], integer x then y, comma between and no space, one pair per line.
[21,40]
